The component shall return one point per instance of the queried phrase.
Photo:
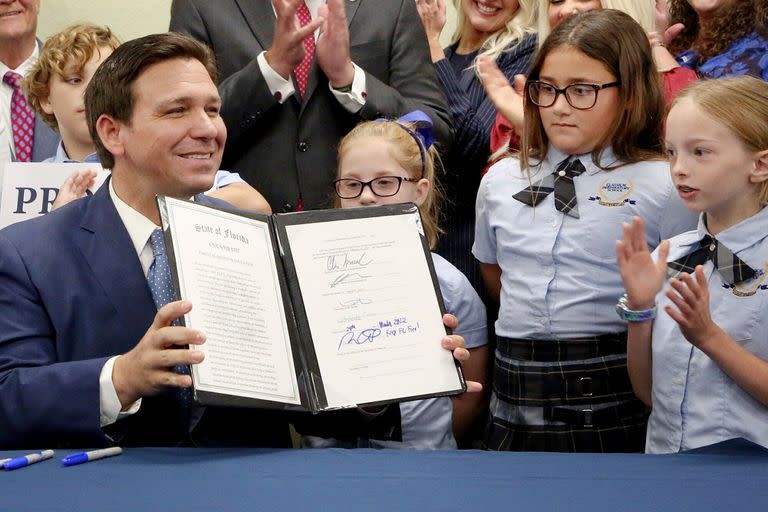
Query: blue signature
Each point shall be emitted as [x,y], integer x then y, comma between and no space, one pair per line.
[350,337]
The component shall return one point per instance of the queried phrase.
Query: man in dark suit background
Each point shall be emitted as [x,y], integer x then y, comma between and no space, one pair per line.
[86,358]
[371,60]
[18,52]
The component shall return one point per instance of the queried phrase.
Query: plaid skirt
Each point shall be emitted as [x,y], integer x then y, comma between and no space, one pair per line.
[564,395]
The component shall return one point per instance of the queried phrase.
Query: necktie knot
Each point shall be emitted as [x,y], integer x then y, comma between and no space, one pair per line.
[732,269]
[157,242]
[561,182]
[13,79]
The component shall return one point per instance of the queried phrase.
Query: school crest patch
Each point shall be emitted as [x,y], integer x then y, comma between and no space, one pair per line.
[614,193]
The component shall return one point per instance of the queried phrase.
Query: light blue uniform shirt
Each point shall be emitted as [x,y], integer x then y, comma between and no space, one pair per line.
[559,276]
[61,157]
[694,402]
[426,424]
[223,178]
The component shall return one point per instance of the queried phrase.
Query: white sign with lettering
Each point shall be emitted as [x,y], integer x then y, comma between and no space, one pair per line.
[29,189]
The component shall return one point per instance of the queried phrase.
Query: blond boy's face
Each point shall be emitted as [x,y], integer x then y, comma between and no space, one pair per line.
[65,101]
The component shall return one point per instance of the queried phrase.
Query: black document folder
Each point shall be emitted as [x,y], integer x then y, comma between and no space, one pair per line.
[315,310]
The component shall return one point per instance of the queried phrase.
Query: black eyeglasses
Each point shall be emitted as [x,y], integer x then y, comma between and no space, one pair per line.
[579,96]
[383,186]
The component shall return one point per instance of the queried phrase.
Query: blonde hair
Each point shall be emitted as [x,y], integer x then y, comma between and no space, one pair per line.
[619,43]
[741,105]
[72,47]
[642,11]
[406,150]
[515,30]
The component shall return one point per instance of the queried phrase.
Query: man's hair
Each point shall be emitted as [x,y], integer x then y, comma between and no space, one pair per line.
[111,89]
[614,39]
[738,103]
[63,53]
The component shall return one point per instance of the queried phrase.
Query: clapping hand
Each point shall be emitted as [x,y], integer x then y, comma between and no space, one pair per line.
[642,277]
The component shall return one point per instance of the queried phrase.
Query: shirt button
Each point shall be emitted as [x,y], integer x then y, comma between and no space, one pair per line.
[554,223]
[561,173]
[287,207]
[543,321]
[303,146]
[712,247]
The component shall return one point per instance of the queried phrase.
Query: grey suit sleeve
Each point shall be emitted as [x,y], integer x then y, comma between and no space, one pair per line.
[245,94]
[412,82]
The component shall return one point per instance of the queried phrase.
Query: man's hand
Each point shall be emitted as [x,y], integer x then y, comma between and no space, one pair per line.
[287,50]
[148,368]
[455,344]
[74,187]
[332,49]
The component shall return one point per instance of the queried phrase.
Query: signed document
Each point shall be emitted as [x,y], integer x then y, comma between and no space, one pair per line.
[320,310]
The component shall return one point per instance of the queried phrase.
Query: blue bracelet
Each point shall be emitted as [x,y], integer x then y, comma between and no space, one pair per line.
[631,315]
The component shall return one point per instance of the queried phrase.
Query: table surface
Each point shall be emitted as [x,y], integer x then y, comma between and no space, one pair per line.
[729,476]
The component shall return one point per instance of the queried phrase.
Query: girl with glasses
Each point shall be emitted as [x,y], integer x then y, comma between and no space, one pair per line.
[650,14]
[389,162]
[547,225]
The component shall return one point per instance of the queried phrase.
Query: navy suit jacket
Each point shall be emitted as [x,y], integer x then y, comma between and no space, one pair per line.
[73,294]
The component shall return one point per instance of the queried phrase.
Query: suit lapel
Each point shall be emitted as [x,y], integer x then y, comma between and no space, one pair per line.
[350,9]
[261,19]
[108,249]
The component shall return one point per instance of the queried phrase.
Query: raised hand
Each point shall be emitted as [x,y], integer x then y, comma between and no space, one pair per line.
[691,312]
[287,50]
[666,33]
[432,14]
[148,367]
[508,99]
[642,277]
[74,187]
[332,49]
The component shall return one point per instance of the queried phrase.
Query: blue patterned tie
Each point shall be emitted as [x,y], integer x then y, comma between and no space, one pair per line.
[159,275]
[159,280]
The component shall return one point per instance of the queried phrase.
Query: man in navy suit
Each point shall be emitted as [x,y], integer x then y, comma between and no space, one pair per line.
[85,357]
[18,52]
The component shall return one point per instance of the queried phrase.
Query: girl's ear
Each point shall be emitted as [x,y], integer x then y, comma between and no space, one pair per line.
[760,173]
[422,190]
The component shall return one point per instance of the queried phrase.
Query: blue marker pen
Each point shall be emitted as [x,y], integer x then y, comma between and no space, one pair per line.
[82,457]
[26,460]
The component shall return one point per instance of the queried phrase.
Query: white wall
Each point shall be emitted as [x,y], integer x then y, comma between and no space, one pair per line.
[128,19]
[132,18]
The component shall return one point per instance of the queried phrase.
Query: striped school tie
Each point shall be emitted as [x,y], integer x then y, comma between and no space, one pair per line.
[561,182]
[731,268]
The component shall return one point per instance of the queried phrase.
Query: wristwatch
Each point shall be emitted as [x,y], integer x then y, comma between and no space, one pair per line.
[345,88]
[631,315]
